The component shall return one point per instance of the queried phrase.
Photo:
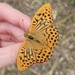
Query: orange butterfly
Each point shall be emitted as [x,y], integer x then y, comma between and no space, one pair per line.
[40,40]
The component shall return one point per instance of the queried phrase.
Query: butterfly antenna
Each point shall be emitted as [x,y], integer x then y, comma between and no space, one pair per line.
[22,34]
[23,27]
[23,24]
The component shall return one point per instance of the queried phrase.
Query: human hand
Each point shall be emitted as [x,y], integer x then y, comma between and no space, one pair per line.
[12,29]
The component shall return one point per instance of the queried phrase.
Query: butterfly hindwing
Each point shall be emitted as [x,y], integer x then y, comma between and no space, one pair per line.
[26,56]
[50,36]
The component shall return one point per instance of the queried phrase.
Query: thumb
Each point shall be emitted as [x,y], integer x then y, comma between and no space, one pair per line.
[8,55]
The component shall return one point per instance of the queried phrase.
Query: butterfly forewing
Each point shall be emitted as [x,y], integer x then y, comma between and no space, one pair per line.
[42,18]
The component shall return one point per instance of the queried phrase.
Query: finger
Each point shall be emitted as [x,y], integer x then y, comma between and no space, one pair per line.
[4,43]
[14,31]
[8,55]
[9,38]
[45,63]
[13,16]
[34,65]
[0,42]
[5,37]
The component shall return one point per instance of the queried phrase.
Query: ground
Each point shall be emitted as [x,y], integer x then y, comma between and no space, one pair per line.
[63,60]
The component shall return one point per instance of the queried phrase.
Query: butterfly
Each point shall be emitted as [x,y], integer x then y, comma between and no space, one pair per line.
[40,40]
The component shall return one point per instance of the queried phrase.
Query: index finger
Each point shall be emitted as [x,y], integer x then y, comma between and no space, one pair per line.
[13,16]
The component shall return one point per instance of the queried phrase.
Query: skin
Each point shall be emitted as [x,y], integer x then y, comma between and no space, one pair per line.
[13,24]
[12,29]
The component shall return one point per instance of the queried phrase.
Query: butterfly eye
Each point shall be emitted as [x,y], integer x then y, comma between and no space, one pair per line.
[31,37]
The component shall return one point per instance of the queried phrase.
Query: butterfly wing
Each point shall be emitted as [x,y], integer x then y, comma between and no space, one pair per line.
[42,18]
[50,36]
[26,56]
[44,31]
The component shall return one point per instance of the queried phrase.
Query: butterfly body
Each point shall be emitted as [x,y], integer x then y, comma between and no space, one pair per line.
[40,40]
[35,38]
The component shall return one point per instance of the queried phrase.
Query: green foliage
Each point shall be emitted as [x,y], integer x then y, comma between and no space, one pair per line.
[74,16]
[72,1]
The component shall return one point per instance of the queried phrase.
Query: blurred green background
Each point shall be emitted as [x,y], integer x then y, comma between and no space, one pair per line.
[63,60]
